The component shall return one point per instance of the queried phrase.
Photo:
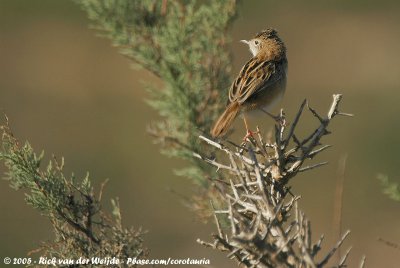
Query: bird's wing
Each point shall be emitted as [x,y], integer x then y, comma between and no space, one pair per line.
[256,75]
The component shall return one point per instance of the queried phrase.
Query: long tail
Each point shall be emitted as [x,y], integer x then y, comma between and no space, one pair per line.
[225,120]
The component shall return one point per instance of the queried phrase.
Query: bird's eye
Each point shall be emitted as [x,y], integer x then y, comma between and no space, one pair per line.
[256,42]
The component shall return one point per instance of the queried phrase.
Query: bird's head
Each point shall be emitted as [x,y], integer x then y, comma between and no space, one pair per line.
[266,40]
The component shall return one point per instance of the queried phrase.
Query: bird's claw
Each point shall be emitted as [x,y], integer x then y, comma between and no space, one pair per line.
[250,134]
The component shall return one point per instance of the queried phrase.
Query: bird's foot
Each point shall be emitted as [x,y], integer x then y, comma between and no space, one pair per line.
[250,134]
[280,118]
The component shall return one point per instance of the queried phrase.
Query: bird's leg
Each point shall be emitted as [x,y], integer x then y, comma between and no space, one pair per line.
[278,118]
[249,133]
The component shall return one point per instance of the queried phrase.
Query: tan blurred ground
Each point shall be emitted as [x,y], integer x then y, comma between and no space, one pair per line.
[70,93]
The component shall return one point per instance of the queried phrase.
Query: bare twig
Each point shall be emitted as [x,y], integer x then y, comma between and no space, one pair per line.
[255,203]
[362,263]
[337,212]
[333,250]
[389,243]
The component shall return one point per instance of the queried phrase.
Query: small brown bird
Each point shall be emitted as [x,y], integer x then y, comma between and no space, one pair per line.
[260,84]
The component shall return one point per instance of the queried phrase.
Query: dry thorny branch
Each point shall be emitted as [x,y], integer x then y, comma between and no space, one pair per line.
[259,204]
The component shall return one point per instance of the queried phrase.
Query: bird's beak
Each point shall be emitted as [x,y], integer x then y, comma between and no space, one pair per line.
[245,41]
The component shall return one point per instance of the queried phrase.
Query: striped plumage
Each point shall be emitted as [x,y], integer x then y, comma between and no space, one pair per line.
[260,83]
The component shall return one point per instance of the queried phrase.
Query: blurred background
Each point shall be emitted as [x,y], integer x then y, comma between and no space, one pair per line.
[70,93]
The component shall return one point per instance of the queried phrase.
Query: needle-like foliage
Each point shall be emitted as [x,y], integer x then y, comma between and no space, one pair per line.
[186,45]
[390,188]
[82,228]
